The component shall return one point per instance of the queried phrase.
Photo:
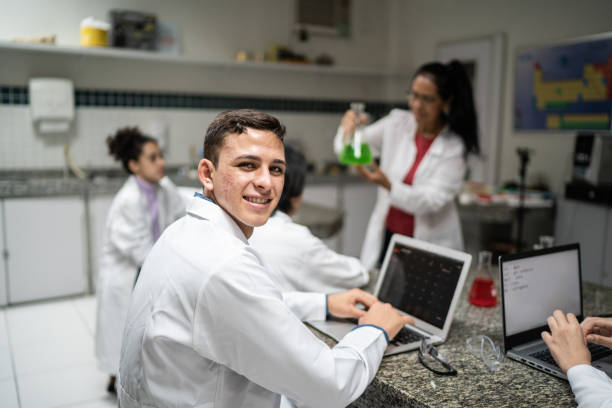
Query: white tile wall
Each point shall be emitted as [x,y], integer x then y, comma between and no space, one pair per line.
[21,147]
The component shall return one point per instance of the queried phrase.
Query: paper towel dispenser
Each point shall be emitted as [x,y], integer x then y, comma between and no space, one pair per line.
[51,104]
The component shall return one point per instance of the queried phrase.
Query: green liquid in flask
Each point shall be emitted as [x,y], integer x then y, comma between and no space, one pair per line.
[347,156]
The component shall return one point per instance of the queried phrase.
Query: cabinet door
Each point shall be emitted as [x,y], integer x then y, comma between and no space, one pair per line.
[607,266]
[3,288]
[45,242]
[358,200]
[583,223]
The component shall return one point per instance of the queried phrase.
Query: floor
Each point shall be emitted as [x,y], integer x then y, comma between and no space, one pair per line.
[47,356]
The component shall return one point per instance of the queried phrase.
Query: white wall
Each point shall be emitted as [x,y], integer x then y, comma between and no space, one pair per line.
[210,29]
[393,34]
[426,23]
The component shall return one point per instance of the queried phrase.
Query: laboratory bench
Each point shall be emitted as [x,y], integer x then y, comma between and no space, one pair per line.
[402,381]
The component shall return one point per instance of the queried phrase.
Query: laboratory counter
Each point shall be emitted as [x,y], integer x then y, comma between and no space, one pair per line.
[402,381]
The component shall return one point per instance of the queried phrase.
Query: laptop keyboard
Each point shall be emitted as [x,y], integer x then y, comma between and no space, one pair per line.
[405,336]
[596,350]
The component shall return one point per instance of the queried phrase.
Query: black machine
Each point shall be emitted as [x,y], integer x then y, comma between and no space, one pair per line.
[592,170]
[133,29]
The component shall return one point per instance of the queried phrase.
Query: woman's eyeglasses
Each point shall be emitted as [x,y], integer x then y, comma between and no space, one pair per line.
[433,360]
[426,99]
[490,354]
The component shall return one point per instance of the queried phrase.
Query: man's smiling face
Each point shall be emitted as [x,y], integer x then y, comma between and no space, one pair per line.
[248,179]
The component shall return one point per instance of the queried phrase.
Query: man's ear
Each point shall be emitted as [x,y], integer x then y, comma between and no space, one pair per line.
[205,171]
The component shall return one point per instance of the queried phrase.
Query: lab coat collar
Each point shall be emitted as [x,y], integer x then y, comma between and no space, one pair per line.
[208,210]
[282,216]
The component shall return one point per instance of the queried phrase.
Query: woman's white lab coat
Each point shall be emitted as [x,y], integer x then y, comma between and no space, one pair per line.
[430,198]
[128,237]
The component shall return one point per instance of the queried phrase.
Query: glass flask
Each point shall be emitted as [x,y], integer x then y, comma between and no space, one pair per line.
[483,291]
[354,150]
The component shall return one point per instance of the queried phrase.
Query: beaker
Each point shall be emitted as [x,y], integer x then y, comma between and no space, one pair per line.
[354,150]
[483,292]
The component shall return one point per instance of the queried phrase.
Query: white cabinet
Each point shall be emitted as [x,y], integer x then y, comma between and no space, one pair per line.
[607,262]
[591,226]
[358,200]
[45,242]
[3,277]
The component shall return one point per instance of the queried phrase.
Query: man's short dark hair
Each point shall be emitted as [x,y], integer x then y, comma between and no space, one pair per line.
[295,178]
[237,122]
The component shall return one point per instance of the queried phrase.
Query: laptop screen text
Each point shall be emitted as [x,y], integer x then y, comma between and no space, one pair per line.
[535,286]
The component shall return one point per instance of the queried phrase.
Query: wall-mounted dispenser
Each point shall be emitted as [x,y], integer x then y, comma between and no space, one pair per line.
[51,104]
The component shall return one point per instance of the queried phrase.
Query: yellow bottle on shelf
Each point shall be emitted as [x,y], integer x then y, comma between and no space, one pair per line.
[354,151]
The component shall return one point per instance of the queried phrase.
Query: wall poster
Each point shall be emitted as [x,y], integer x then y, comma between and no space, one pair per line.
[564,86]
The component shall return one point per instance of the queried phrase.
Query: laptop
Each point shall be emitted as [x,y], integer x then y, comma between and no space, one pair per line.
[534,284]
[419,279]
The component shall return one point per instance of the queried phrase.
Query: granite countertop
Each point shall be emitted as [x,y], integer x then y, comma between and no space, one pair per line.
[37,184]
[402,381]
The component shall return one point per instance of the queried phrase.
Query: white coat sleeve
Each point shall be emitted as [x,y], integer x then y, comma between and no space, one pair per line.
[430,197]
[592,387]
[130,233]
[372,134]
[325,269]
[306,305]
[242,318]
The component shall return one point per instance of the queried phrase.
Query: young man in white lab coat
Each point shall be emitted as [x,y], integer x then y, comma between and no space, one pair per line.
[208,327]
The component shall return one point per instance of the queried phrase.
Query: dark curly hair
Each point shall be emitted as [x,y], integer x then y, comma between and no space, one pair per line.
[126,145]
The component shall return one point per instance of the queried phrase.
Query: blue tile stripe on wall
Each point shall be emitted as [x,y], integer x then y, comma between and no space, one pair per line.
[18,95]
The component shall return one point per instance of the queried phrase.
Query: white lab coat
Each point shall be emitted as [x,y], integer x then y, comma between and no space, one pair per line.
[128,238]
[430,198]
[592,387]
[297,260]
[207,327]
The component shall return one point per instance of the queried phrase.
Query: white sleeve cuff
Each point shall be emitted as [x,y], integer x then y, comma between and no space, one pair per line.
[306,305]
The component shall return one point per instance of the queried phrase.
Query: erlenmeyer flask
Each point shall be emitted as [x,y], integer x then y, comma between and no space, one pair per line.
[483,292]
[354,150]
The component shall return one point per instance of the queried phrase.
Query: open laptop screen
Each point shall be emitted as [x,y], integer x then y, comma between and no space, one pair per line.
[535,285]
[420,283]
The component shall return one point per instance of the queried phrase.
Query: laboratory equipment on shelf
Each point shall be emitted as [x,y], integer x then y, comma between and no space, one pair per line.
[483,292]
[354,151]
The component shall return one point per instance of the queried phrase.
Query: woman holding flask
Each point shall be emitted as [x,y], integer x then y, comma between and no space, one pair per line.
[422,156]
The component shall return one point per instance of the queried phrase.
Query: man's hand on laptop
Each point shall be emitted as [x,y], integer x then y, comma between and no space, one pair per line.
[386,317]
[566,341]
[598,330]
[344,304]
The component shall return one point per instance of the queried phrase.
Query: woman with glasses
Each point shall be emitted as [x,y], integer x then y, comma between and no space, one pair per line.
[422,156]
[146,203]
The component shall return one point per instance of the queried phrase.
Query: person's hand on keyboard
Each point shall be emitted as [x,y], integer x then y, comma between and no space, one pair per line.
[386,317]
[598,330]
[566,341]
[344,304]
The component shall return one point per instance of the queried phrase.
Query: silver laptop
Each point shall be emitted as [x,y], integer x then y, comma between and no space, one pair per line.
[419,279]
[534,284]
